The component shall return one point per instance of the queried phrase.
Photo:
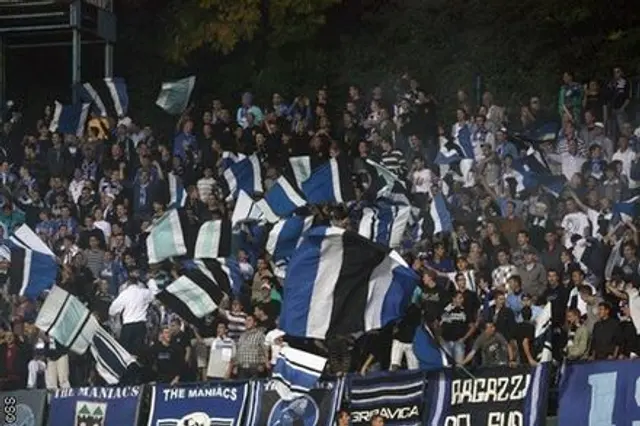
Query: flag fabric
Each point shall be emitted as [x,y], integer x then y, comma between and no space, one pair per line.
[244,175]
[380,183]
[112,360]
[246,210]
[214,240]
[174,95]
[543,334]
[385,223]
[69,119]
[26,238]
[329,183]
[229,158]
[177,194]
[296,372]
[463,142]
[166,238]
[386,393]
[284,238]
[194,295]
[446,156]
[300,169]
[31,272]
[66,319]
[281,200]
[442,221]
[338,282]
[627,210]
[108,97]
[615,259]
[429,352]
[228,274]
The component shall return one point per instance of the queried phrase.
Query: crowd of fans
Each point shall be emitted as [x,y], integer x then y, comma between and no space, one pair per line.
[512,250]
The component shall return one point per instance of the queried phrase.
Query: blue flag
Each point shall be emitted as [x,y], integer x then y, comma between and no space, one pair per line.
[428,351]
[113,406]
[210,403]
[69,119]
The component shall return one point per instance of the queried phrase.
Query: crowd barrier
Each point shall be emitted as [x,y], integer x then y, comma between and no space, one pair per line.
[590,394]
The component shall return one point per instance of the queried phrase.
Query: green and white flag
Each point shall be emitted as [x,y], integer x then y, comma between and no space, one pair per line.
[174,95]
[166,238]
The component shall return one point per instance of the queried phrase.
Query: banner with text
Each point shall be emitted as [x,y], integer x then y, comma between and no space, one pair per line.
[600,393]
[210,403]
[116,406]
[397,396]
[23,407]
[318,408]
[499,396]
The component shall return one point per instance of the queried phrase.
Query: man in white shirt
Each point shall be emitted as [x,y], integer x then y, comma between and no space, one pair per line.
[625,155]
[223,349]
[574,222]
[133,303]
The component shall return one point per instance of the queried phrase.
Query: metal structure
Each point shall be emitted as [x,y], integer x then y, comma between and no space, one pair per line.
[47,23]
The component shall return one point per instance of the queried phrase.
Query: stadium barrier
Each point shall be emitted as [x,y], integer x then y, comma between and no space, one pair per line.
[595,393]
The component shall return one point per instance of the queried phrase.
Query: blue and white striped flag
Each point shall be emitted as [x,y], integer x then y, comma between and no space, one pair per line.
[244,175]
[385,223]
[338,282]
[440,215]
[246,210]
[166,238]
[300,169]
[281,200]
[177,193]
[112,360]
[108,97]
[284,238]
[329,183]
[174,95]
[66,319]
[463,142]
[31,272]
[296,372]
[69,119]
[229,158]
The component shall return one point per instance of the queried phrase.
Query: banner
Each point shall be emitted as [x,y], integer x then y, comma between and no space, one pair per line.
[116,406]
[603,393]
[211,403]
[319,408]
[499,396]
[398,397]
[23,407]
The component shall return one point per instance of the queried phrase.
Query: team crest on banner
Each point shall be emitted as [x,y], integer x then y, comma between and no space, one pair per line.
[101,406]
[90,413]
[318,408]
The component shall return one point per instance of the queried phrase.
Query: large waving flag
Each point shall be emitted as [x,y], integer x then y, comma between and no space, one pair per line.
[281,200]
[338,282]
[428,350]
[463,142]
[69,119]
[244,175]
[296,372]
[199,291]
[382,184]
[174,95]
[440,214]
[31,272]
[300,169]
[246,210]
[177,193]
[284,238]
[166,238]
[329,183]
[112,360]
[214,240]
[385,223]
[108,97]
[543,334]
[64,318]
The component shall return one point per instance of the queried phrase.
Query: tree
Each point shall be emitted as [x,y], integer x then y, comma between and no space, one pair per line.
[223,24]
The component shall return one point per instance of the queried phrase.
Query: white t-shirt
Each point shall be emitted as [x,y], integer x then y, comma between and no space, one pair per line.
[222,352]
[574,224]
[421,181]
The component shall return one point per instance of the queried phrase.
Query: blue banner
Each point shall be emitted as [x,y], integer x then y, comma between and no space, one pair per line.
[499,396]
[116,406]
[319,408]
[601,393]
[398,397]
[211,403]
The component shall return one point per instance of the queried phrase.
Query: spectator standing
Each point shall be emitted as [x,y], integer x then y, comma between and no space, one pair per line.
[251,358]
[223,351]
